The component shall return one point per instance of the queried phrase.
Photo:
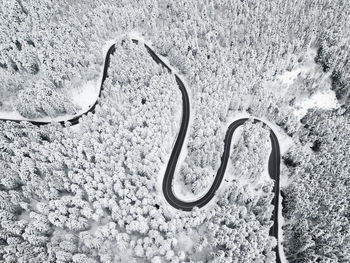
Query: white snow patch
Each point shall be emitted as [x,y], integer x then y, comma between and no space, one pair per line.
[323,97]
[289,77]
[323,100]
[8,115]
[285,181]
[85,96]
[14,115]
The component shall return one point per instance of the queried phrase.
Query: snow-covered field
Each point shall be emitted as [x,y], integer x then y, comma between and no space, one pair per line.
[322,100]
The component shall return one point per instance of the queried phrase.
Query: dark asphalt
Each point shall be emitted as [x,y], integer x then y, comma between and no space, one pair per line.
[274,159]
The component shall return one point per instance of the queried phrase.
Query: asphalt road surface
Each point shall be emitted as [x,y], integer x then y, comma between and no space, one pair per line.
[274,159]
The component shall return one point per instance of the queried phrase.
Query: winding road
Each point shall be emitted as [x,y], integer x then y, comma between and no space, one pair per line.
[273,165]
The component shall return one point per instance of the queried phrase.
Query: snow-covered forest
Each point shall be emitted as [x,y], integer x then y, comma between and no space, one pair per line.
[92,192]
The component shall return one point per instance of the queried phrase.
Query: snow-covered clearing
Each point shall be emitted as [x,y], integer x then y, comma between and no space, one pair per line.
[290,84]
[11,115]
[323,100]
[309,65]
[85,96]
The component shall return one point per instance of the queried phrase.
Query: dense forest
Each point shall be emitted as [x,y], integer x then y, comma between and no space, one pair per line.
[75,195]
[91,194]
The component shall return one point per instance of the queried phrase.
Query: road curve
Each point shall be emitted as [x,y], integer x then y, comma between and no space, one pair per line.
[273,165]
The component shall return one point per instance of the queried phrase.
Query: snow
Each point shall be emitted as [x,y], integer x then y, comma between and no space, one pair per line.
[324,97]
[14,115]
[229,173]
[10,115]
[289,77]
[323,100]
[85,96]
[285,181]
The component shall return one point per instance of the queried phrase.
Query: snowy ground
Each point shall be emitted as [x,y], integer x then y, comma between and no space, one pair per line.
[309,65]
[324,100]
[323,97]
